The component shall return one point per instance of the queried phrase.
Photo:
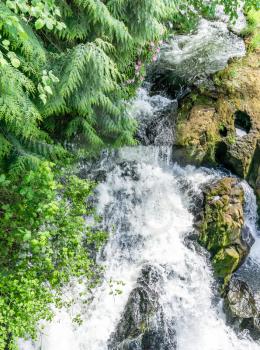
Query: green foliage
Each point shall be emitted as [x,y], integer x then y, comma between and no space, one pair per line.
[67,67]
[252,31]
[43,243]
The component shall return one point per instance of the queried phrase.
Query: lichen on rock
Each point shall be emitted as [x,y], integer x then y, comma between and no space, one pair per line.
[222,225]
[197,134]
[206,124]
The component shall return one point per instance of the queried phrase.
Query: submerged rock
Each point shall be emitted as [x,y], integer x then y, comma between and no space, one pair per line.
[143,325]
[222,230]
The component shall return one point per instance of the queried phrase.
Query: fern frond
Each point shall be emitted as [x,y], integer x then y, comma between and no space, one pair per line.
[99,14]
[24,162]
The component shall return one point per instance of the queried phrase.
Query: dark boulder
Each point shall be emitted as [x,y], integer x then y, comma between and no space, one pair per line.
[143,325]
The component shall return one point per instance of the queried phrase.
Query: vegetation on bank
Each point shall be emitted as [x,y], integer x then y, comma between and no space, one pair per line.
[67,69]
[44,242]
[252,31]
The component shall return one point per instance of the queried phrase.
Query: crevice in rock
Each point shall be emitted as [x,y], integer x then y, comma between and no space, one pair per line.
[223,131]
[243,121]
[221,151]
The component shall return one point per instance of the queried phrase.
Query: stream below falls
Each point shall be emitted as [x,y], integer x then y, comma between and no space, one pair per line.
[147,202]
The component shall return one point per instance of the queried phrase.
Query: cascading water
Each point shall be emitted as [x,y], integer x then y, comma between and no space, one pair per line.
[152,261]
[145,204]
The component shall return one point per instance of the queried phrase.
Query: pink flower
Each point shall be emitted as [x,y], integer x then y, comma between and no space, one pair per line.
[158,49]
[155,58]
[142,78]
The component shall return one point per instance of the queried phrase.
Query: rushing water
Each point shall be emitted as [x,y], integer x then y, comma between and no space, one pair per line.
[147,204]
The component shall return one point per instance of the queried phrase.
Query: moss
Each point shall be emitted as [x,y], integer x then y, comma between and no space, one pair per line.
[197,131]
[225,262]
[221,225]
[252,31]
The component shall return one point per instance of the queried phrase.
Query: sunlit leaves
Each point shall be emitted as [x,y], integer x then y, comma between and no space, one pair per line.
[43,243]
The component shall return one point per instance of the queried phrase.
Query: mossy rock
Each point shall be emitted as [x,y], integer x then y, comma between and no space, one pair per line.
[197,133]
[206,124]
[222,226]
[225,262]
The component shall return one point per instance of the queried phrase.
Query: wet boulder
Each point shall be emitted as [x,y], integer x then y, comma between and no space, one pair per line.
[224,127]
[222,229]
[143,325]
[241,306]
[240,300]
[156,124]
[240,82]
[130,169]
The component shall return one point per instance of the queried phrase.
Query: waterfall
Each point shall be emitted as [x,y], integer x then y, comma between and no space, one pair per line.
[143,203]
[147,204]
[251,219]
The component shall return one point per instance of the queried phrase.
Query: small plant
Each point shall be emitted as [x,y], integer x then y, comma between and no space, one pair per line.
[231,139]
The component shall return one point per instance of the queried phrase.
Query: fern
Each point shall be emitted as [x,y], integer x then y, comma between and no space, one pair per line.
[89,49]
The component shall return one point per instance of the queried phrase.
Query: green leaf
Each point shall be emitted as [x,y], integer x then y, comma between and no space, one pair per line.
[2,178]
[43,97]
[48,89]
[39,24]
[15,62]
[6,42]
[49,23]
[27,236]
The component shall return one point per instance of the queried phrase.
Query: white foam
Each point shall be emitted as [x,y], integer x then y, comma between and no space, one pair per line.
[150,220]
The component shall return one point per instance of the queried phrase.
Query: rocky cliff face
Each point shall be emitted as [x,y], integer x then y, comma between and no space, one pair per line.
[223,125]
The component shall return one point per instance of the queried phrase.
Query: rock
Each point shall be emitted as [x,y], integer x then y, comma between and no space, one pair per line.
[130,169]
[239,156]
[240,300]
[207,123]
[158,128]
[187,59]
[197,135]
[241,83]
[241,306]
[222,230]
[225,261]
[143,325]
